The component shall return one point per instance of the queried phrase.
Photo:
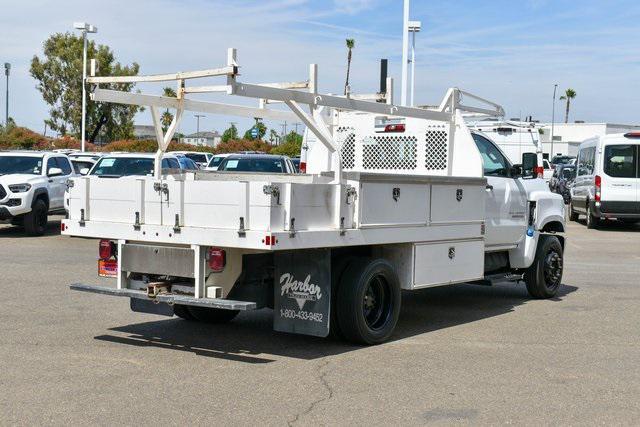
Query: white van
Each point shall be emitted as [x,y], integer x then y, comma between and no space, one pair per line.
[607,184]
[515,139]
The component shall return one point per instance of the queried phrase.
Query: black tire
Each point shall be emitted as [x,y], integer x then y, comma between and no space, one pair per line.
[212,315]
[35,222]
[338,267]
[182,311]
[369,300]
[544,276]
[592,221]
[573,215]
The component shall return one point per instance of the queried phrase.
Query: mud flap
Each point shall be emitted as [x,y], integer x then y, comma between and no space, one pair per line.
[302,292]
[150,307]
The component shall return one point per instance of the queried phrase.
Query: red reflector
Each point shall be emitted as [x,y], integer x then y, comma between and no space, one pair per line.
[303,167]
[598,183]
[395,128]
[217,259]
[62,226]
[632,135]
[105,249]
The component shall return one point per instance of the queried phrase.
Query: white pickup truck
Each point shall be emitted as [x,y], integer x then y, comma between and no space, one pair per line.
[32,187]
[393,198]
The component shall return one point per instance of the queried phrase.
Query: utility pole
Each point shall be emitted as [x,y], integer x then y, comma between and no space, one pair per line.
[296,124]
[553,119]
[197,116]
[284,128]
[7,69]
[405,48]
[86,29]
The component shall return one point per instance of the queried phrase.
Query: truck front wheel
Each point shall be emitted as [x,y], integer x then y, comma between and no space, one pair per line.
[35,222]
[544,276]
[368,302]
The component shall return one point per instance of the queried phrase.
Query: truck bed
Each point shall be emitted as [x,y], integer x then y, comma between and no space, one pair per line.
[276,211]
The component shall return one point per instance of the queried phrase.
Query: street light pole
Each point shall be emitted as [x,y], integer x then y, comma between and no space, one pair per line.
[414,27]
[553,119]
[85,28]
[7,69]
[197,116]
[405,48]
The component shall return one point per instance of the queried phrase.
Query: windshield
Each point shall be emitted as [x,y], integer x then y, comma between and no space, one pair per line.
[198,158]
[24,165]
[252,165]
[562,160]
[78,165]
[215,162]
[123,166]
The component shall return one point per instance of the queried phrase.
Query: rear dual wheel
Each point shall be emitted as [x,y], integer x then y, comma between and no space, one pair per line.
[368,301]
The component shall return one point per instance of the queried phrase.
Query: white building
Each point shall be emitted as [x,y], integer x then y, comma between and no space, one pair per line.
[568,136]
[208,139]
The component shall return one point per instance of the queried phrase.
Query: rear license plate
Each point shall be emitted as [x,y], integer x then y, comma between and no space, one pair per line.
[108,268]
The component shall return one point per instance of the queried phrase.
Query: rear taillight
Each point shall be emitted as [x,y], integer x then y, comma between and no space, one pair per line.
[632,135]
[598,182]
[217,259]
[303,167]
[539,171]
[105,249]
[395,128]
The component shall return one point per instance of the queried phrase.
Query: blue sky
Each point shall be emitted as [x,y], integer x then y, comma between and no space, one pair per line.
[511,52]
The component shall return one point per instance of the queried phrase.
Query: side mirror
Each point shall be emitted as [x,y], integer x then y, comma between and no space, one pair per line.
[529,165]
[54,172]
[84,171]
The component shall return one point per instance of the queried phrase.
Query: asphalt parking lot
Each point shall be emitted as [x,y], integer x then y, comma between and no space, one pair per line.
[463,354]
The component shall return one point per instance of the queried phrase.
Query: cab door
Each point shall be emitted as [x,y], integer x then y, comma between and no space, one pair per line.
[506,203]
[57,183]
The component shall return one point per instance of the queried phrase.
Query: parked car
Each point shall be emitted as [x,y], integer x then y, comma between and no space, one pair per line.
[257,163]
[563,179]
[607,184]
[202,159]
[131,164]
[296,163]
[186,163]
[548,169]
[565,160]
[215,161]
[32,186]
[83,162]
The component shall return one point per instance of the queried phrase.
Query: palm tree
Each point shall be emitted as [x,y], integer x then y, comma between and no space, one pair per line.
[568,96]
[350,45]
[167,117]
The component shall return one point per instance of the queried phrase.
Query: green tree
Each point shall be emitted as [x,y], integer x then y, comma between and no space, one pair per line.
[290,146]
[230,134]
[262,131]
[59,78]
[273,136]
[167,117]
[569,94]
[351,43]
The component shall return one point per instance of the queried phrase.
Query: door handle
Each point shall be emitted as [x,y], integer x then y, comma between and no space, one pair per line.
[489,187]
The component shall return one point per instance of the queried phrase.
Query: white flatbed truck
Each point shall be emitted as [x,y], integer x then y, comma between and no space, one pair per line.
[393,198]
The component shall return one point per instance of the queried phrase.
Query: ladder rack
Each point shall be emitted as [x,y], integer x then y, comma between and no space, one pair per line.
[294,94]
